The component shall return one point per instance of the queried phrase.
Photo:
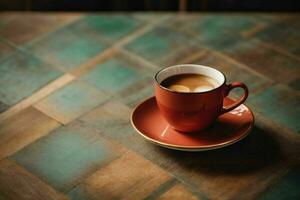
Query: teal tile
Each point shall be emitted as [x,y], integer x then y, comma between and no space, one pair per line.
[111,119]
[112,75]
[111,27]
[161,45]
[212,24]
[216,31]
[280,104]
[21,75]
[286,189]
[68,47]
[71,101]
[66,156]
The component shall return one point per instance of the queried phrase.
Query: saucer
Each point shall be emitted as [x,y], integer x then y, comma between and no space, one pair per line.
[229,128]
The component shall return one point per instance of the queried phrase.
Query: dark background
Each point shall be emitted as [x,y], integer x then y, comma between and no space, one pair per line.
[149,5]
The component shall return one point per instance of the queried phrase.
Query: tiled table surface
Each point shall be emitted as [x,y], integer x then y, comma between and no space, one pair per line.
[68,83]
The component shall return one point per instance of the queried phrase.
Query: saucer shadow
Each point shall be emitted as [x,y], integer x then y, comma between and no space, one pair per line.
[258,150]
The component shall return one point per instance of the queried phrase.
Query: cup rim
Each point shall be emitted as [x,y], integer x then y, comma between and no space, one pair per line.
[195,65]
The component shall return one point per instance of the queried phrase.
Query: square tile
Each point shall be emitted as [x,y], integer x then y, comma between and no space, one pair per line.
[119,181]
[68,47]
[18,131]
[111,27]
[285,188]
[162,45]
[280,104]
[111,119]
[71,101]
[17,183]
[23,28]
[216,31]
[117,75]
[21,75]
[66,156]
[112,75]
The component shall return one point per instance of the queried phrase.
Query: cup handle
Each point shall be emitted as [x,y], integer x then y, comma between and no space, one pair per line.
[241,100]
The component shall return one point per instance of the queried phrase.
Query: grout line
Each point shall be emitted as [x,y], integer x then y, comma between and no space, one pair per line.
[43,92]
[254,30]
[140,59]
[161,189]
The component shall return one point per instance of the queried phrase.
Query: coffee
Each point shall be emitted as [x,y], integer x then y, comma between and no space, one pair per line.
[190,83]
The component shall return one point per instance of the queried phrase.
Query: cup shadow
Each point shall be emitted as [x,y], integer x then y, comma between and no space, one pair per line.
[258,150]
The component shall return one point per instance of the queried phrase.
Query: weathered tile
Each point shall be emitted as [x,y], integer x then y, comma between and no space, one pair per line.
[22,129]
[111,119]
[269,62]
[71,101]
[280,104]
[68,47]
[282,35]
[17,183]
[178,192]
[286,188]
[111,27]
[112,75]
[129,177]
[216,31]
[161,45]
[210,24]
[22,28]
[66,155]
[23,74]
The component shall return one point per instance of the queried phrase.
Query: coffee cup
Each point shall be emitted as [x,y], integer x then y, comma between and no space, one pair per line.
[191,109]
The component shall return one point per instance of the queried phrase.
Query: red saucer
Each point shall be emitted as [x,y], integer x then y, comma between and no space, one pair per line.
[228,128]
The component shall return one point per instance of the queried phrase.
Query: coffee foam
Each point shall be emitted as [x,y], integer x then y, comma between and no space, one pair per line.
[179,88]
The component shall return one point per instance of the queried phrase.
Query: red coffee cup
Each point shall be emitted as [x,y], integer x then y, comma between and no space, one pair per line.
[194,111]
